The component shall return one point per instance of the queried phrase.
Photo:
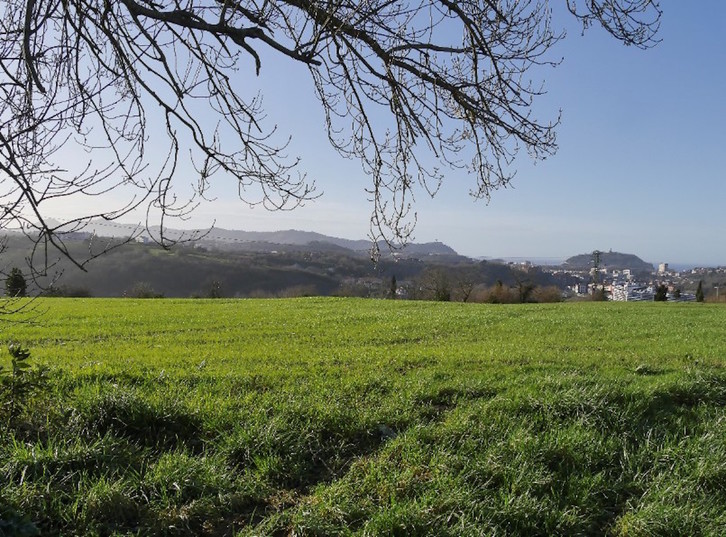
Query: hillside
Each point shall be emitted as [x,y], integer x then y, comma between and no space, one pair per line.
[314,269]
[268,241]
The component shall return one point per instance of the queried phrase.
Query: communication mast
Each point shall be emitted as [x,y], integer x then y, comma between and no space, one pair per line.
[596,266]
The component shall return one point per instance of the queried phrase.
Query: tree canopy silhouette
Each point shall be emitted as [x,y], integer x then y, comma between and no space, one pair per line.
[85,84]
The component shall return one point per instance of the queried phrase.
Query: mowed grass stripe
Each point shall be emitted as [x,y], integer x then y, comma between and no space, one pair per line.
[330,416]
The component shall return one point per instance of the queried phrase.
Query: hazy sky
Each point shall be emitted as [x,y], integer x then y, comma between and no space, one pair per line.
[640,169]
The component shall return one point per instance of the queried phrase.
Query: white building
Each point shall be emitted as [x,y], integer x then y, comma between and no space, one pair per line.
[631,292]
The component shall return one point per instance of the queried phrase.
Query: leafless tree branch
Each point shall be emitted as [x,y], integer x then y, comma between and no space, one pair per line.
[85,84]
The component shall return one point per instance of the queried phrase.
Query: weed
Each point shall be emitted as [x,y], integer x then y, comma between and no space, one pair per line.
[19,384]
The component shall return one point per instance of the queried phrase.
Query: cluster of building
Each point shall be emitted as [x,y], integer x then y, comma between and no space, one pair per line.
[633,291]
[622,285]
[706,270]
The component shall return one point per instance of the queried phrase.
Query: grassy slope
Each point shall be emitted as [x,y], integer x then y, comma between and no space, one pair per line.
[334,416]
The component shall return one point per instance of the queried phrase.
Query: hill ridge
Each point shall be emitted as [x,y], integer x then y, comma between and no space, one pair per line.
[219,237]
[609,260]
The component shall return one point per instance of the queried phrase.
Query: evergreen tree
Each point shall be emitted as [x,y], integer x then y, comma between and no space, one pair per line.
[699,292]
[661,293]
[15,284]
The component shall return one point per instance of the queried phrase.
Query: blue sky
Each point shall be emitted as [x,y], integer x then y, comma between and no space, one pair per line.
[641,166]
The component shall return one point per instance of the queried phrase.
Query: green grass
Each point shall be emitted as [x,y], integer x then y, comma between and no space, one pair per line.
[363,417]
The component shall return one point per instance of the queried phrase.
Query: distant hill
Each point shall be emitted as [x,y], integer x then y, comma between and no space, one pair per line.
[265,240]
[429,248]
[291,237]
[609,260]
[268,241]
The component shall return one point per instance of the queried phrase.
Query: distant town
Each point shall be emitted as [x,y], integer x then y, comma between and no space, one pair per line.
[625,284]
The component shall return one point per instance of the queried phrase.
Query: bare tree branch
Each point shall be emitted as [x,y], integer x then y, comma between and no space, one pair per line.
[85,84]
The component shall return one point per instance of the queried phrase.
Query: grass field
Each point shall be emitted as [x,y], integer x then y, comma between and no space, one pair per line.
[363,417]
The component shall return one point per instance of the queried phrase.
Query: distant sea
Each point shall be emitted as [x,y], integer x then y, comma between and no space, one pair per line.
[540,261]
[678,267]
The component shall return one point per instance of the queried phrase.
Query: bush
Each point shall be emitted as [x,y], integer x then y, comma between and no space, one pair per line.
[258,293]
[433,284]
[297,291]
[551,293]
[352,289]
[499,294]
[66,291]
[142,290]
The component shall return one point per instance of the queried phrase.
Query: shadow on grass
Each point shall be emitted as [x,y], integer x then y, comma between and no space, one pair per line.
[161,426]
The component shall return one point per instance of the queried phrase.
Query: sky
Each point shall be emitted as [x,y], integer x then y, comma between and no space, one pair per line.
[641,165]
